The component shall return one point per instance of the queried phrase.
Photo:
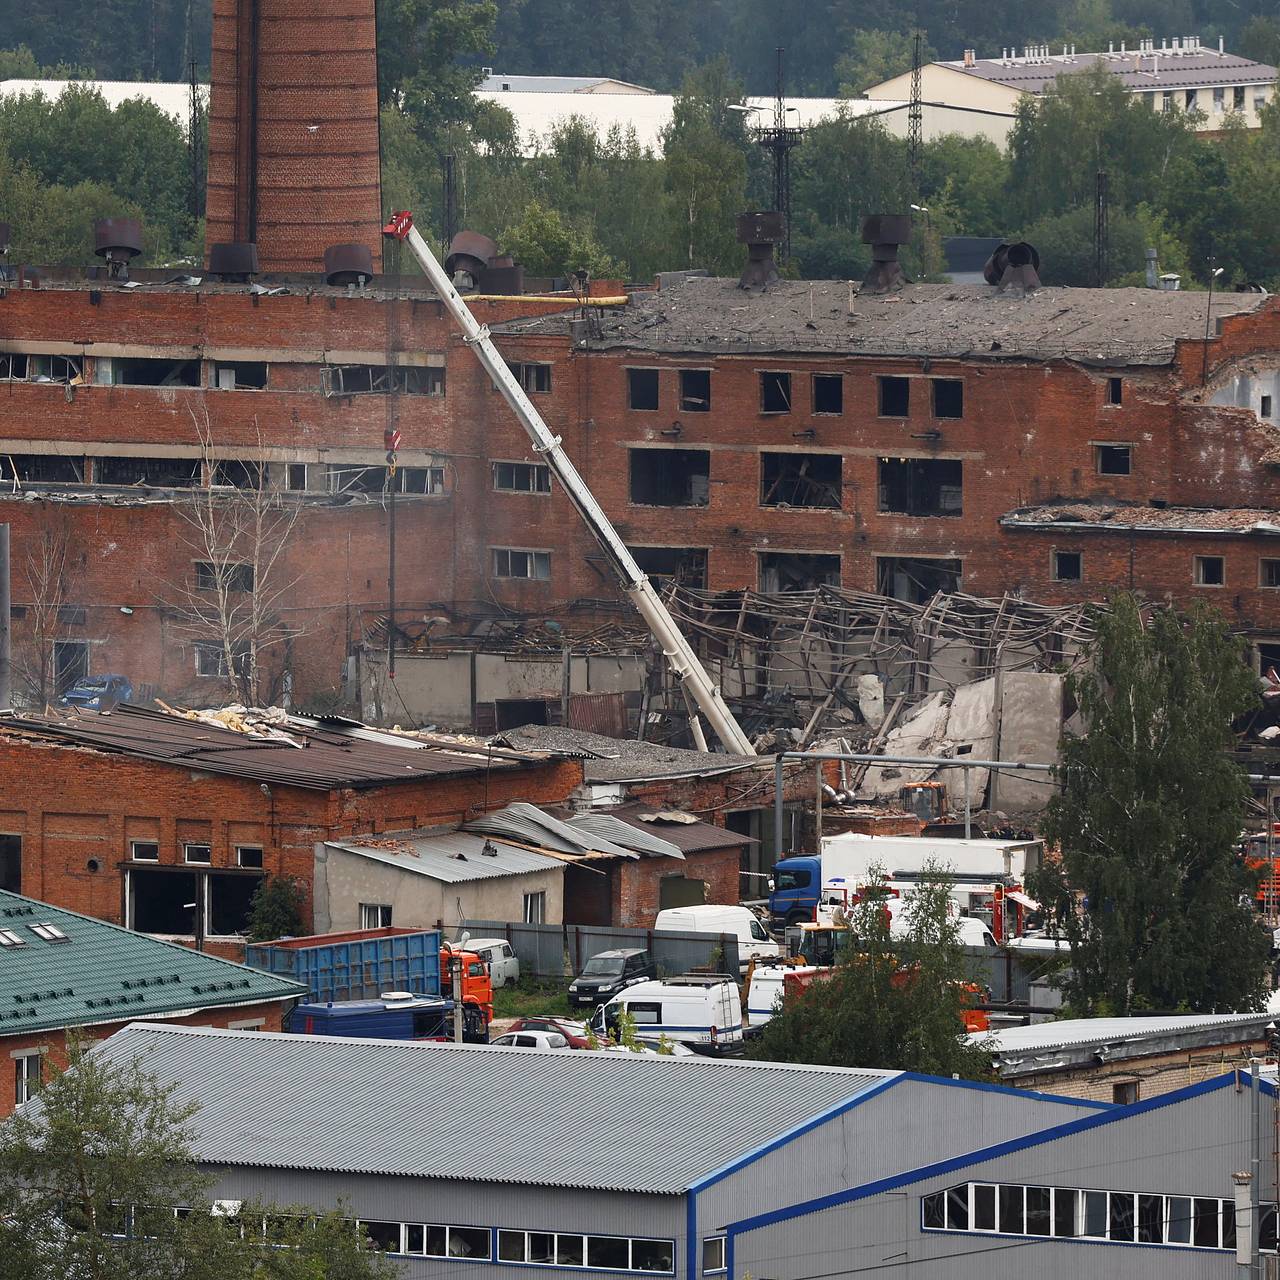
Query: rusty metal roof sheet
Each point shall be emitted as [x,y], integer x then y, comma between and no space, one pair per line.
[324,754]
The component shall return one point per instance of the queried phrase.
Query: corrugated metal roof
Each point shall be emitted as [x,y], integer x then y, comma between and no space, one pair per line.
[530,825]
[453,857]
[691,837]
[103,973]
[623,833]
[1080,1031]
[1156,69]
[322,756]
[565,1118]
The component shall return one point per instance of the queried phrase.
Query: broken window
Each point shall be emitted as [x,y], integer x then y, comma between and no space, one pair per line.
[379,379]
[1112,459]
[800,479]
[948,397]
[686,566]
[41,468]
[1210,571]
[374,480]
[535,379]
[828,393]
[233,474]
[11,863]
[1264,407]
[1067,566]
[211,660]
[670,477]
[162,902]
[642,388]
[1269,573]
[797,571]
[296,477]
[249,855]
[695,390]
[234,577]
[122,371]
[228,896]
[916,579]
[70,663]
[1115,390]
[428,480]
[17,367]
[160,473]
[921,486]
[522,477]
[513,563]
[775,392]
[895,397]
[240,375]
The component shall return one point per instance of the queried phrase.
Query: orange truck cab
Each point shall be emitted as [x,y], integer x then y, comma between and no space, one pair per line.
[477,987]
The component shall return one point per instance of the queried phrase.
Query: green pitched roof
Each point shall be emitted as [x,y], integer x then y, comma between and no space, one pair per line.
[98,972]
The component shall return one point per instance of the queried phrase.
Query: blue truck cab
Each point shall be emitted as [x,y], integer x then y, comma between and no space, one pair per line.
[395,1016]
[794,889]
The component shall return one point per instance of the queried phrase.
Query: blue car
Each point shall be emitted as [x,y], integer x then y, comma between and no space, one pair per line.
[98,693]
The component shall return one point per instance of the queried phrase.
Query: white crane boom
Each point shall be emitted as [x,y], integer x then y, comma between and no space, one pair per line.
[696,684]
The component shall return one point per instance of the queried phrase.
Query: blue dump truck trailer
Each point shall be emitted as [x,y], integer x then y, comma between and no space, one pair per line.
[355,966]
[396,1016]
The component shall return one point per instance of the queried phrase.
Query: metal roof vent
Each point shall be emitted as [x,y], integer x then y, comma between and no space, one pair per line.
[760,232]
[1013,267]
[348,264]
[233,261]
[118,241]
[884,232]
[469,254]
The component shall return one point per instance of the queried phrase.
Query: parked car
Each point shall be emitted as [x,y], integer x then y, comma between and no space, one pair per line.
[703,1012]
[754,943]
[98,693]
[504,964]
[609,972]
[531,1040]
[574,1032]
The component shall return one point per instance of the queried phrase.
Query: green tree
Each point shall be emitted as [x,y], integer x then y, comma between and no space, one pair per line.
[875,56]
[1260,39]
[548,246]
[276,909]
[893,1002]
[18,64]
[1067,254]
[1149,889]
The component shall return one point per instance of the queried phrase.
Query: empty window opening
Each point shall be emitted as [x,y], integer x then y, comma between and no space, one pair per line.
[921,486]
[511,563]
[40,468]
[828,393]
[511,713]
[159,473]
[695,390]
[522,477]
[1264,407]
[375,915]
[1068,566]
[211,660]
[642,389]
[378,379]
[162,902]
[296,477]
[1125,1093]
[229,896]
[800,479]
[948,397]
[797,571]
[1268,655]
[670,477]
[1115,390]
[535,379]
[1269,573]
[685,566]
[378,480]
[241,375]
[231,473]
[775,391]
[11,863]
[123,371]
[249,855]
[425,480]
[1113,459]
[70,663]
[1210,571]
[895,397]
[16,367]
[916,579]
[230,577]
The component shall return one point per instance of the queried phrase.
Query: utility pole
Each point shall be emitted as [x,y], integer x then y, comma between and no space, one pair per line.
[915,112]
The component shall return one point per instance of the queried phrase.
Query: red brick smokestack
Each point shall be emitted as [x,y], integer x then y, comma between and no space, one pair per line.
[293,129]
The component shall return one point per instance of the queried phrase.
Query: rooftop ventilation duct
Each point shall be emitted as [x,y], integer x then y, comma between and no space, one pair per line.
[469,254]
[1013,267]
[118,241]
[884,232]
[234,262]
[760,231]
[348,264]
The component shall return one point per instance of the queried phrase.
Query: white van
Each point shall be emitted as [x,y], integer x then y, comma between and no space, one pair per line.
[504,964]
[702,1012]
[768,988]
[754,942]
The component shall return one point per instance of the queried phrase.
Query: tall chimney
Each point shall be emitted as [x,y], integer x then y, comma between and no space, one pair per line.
[293,130]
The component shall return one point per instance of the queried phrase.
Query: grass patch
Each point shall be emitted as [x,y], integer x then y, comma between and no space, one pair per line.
[529,999]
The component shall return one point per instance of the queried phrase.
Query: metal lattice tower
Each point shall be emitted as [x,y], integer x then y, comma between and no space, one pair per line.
[915,112]
[781,140]
[1101,230]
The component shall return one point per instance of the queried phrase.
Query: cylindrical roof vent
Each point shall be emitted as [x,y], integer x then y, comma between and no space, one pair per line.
[760,231]
[469,254]
[347,264]
[118,241]
[233,261]
[884,232]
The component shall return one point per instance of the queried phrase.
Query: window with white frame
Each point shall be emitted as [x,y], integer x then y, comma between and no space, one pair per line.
[144,850]
[597,1253]
[713,1254]
[521,477]
[535,908]
[375,915]
[201,853]
[249,855]
[511,563]
[28,1075]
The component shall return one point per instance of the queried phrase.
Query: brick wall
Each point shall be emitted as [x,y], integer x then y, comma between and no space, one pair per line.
[637,886]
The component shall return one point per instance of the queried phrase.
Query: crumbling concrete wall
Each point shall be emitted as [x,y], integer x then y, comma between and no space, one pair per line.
[1030,725]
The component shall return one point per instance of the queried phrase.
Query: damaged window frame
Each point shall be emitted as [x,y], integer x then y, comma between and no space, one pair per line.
[638,377]
[916,485]
[183,372]
[121,461]
[12,477]
[687,567]
[235,577]
[1056,565]
[815,397]
[245,375]
[769,562]
[534,376]
[41,370]
[695,390]
[649,479]
[782,490]
[535,561]
[1105,451]
[538,475]
[1209,571]
[203,650]
[777,382]
[237,473]
[888,385]
[338,381]
[416,481]
[884,565]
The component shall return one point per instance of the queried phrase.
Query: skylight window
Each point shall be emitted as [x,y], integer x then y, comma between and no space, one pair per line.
[10,939]
[49,932]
